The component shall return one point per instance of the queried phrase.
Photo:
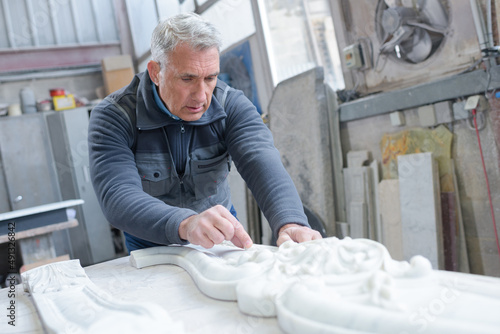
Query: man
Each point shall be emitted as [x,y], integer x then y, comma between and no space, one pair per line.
[161,148]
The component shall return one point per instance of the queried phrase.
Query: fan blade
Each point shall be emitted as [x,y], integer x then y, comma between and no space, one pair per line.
[418,47]
[393,3]
[433,13]
[400,35]
[394,18]
[409,3]
[400,3]
[426,26]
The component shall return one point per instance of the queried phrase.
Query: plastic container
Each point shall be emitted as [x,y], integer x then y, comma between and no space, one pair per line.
[4,109]
[14,109]
[28,101]
[44,105]
[57,92]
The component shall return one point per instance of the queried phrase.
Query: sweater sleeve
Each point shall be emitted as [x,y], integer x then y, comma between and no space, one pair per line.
[251,146]
[117,182]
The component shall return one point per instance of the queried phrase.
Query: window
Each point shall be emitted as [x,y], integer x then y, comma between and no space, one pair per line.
[299,36]
[233,18]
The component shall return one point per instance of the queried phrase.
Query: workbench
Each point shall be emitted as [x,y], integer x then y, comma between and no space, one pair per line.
[169,286]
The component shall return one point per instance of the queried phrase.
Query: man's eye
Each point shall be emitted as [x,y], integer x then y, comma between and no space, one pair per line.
[211,78]
[187,79]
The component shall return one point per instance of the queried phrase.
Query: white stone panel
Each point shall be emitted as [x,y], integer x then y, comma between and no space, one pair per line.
[420,200]
[390,212]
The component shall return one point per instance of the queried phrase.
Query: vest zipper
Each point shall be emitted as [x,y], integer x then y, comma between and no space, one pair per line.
[181,182]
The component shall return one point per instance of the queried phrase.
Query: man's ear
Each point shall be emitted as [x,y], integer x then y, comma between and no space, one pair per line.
[154,71]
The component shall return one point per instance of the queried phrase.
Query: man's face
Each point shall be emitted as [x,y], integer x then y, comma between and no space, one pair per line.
[187,82]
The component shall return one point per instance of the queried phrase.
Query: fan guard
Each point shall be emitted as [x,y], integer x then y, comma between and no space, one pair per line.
[411,31]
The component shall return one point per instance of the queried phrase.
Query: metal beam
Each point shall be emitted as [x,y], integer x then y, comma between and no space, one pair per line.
[50,73]
[461,85]
[40,58]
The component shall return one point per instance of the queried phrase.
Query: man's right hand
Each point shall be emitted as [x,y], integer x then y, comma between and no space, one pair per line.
[213,226]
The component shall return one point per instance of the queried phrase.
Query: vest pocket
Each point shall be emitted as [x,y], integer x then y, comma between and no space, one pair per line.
[155,173]
[209,174]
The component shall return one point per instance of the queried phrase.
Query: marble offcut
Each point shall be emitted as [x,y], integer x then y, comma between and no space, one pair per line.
[420,200]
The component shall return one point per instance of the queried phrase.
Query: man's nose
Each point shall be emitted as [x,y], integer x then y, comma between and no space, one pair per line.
[198,93]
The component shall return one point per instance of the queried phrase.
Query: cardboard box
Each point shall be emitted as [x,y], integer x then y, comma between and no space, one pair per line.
[117,72]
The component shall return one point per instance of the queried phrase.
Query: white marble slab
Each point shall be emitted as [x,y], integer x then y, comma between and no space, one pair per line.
[360,203]
[390,211]
[377,222]
[463,258]
[339,286]
[172,288]
[358,219]
[357,158]
[169,287]
[420,201]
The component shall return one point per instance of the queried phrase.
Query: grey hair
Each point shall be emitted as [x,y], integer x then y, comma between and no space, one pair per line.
[186,27]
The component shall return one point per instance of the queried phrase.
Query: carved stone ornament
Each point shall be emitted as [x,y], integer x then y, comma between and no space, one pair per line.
[338,286]
[68,302]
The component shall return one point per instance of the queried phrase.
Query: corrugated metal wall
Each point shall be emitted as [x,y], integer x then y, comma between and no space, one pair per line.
[53,23]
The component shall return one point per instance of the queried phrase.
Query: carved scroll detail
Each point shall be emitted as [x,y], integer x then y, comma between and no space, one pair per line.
[68,302]
[338,286]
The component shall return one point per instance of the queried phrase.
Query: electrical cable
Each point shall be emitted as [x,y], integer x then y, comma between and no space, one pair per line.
[487,182]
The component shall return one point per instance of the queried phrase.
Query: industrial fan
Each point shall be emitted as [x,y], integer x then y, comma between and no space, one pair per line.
[411,30]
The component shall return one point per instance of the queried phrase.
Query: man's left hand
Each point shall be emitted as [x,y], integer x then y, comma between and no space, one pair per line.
[297,233]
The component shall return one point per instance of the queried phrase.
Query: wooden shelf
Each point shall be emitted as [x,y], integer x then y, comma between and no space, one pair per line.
[40,230]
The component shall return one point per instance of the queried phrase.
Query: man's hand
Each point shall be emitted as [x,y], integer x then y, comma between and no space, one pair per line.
[213,226]
[297,233]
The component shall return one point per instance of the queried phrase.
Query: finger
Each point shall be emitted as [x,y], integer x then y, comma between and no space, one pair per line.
[300,234]
[201,238]
[206,242]
[226,214]
[198,236]
[237,242]
[317,236]
[215,235]
[215,225]
[224,227]
[204,233]
[283,237]
[303,234]
[241,237]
